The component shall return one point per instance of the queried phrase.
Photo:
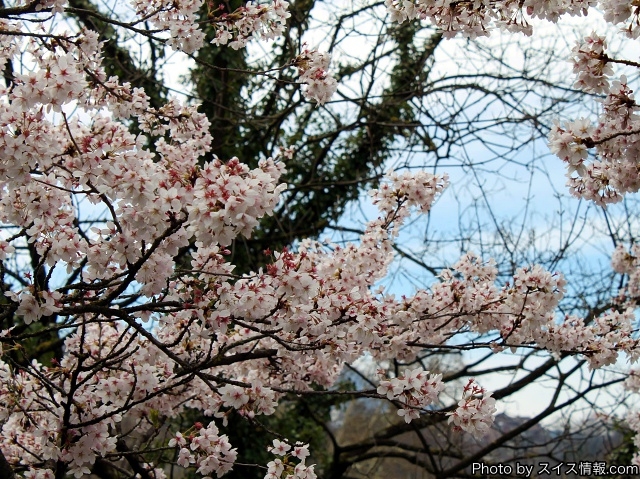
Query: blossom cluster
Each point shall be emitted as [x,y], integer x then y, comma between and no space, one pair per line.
[292,470]
[478,18]
[616,135]
[614,171]
[313,68]
[628,263]
[415,390]
[590,63]
[402,191]
[248,400]
[617,11]
[250,21]
[209,451]
[475,411]
[56,6]
[178,19]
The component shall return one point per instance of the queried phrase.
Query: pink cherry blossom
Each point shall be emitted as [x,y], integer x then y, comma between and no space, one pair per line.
[146,339]
[313,68]
[475,410]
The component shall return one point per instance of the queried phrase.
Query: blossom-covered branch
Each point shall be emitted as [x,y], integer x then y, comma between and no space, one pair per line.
[153,318]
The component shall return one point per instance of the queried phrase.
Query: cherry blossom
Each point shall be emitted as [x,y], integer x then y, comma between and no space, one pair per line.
[145,339]
[475,410]
[251,20]
[614,171]
[415,390]
[615,136]
[628,263]
[207,450]
[291,470]
[279,448]
[313,68]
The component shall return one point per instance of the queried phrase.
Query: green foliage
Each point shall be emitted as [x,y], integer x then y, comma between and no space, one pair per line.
[626,450]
